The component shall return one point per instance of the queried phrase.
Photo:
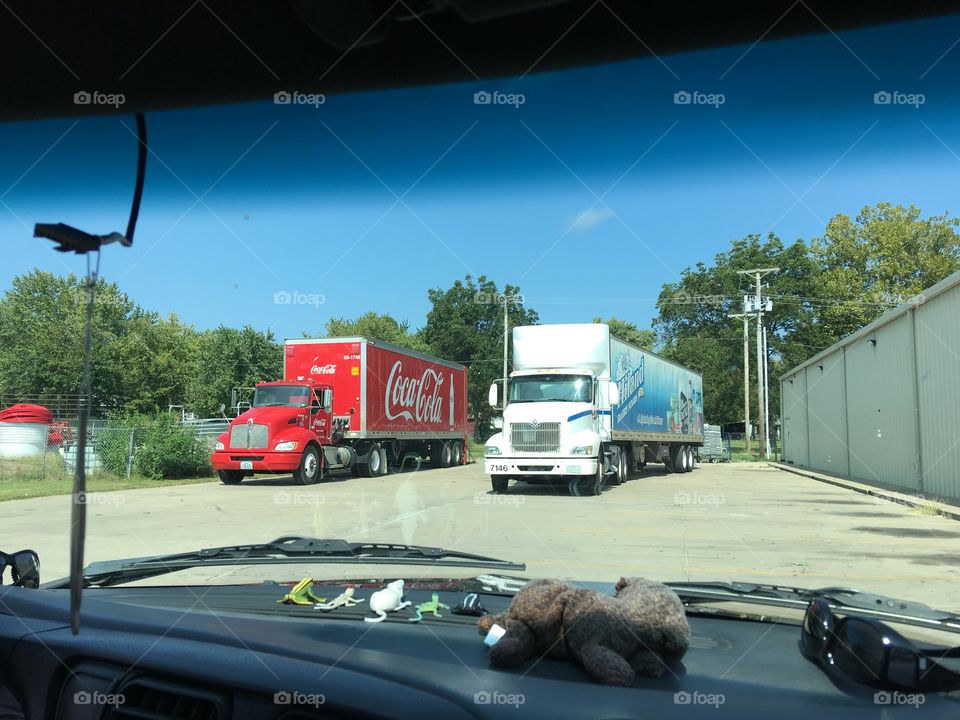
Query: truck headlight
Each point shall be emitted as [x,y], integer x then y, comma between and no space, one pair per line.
[219,446]
[490,450]
[285,446]
[582,450]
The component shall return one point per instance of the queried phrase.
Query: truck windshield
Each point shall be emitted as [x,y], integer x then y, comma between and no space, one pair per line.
[551,388]
[275,395]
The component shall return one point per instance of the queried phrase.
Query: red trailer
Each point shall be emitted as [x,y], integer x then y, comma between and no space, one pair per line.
[351,403]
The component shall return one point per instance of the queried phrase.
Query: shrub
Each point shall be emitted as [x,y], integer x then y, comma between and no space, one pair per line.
[169,450]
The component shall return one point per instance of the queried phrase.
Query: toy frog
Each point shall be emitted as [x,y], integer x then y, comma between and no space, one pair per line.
[433,606]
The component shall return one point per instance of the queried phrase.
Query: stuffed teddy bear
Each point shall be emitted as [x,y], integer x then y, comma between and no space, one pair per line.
[640,630]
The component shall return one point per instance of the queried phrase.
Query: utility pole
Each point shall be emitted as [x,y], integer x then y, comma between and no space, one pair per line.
[746,378]
[757,305]
[506,305]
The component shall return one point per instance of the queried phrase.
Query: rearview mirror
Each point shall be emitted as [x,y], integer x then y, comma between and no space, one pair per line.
[24,567]
[492,395]
[614,394]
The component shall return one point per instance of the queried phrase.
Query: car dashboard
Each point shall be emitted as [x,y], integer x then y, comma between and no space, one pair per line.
[223,652]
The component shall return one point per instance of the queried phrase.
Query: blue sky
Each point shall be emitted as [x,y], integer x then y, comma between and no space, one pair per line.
[301,199]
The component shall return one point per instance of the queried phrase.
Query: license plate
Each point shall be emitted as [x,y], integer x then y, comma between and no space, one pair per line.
[499,468]
[246,464]
[573,469]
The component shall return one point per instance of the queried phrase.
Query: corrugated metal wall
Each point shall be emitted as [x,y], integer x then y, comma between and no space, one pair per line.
[883,405]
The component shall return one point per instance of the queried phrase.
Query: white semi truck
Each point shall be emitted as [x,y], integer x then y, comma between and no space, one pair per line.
[584,408]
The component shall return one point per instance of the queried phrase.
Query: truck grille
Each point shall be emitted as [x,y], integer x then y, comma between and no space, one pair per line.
[248,436]
[527,437]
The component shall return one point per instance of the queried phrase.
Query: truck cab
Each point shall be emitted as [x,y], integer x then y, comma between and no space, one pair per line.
[555,427]
[285,430]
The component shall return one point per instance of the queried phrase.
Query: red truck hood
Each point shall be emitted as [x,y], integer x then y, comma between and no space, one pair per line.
[271,416]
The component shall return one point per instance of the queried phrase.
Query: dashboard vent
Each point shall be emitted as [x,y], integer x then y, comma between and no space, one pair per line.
[155,699]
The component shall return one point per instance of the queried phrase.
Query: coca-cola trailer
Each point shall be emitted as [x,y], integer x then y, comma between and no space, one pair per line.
[351,403]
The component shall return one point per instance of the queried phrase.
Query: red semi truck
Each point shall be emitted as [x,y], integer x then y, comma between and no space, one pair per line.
[351,403]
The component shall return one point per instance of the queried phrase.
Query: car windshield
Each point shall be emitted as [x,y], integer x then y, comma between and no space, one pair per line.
[289,395]
[753,249]
[545,388]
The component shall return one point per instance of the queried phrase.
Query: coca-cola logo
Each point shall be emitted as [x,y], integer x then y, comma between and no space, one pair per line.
[414,397]
[323,369]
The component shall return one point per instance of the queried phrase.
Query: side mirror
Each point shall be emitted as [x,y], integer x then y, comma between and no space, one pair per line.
[24,567]
[614,394]
[492,395]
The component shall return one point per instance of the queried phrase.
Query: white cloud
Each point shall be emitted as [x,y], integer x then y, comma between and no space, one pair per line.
[589,219]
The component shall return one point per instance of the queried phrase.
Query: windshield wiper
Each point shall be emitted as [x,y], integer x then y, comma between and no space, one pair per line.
[284,550]
[863,603]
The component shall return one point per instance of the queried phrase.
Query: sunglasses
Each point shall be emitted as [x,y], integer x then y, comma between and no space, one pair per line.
[870,652]
[24,568]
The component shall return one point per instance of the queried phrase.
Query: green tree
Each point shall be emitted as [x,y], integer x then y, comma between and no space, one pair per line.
[883,257]
[379,327]
[229,358]
[42,321]
[465,324]
[625,330]
[695,330]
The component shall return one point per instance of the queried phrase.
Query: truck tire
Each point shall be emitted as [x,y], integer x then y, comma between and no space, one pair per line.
[622,468]
[588,485]
[672,462]
[230,477]
[693,458]
[311,466]
[373,467]
[499,483]
[444,454]
[456,448]
[685,459]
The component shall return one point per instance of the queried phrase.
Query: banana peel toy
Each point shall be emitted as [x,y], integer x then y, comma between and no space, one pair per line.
[302,594]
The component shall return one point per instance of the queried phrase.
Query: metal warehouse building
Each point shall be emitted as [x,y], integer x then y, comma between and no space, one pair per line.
[882,406]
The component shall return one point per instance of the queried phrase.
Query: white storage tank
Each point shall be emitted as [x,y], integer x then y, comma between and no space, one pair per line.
[20,439]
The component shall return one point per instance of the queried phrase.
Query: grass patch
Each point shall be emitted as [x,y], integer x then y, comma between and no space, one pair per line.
[476,450]
[24,478]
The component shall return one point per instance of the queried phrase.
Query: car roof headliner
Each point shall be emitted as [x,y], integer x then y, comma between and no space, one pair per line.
[180,53]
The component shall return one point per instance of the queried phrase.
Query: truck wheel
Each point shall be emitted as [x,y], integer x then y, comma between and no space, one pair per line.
[311,467]
[693,458]
[687,458]
[230,477]
[373,466]
[684,459]
[588,485]
[673,462]
[622,469]
[446,455]
[499,483]
[456,449]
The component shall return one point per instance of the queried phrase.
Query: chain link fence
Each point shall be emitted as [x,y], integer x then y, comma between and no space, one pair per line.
[110,450]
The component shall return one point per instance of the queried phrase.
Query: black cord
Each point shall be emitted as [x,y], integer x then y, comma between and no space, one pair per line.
[141,172]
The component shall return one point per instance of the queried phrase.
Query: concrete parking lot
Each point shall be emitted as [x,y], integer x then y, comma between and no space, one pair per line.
[737,521]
